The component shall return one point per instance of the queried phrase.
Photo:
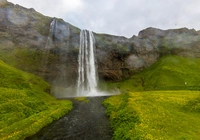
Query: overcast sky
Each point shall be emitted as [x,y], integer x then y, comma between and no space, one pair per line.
[117,17]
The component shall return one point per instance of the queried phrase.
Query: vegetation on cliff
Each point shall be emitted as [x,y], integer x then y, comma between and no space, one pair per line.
[168,73]
[25,107]
[24,58]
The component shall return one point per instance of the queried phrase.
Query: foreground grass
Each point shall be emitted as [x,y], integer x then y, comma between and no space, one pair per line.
[155,115]
[25,107]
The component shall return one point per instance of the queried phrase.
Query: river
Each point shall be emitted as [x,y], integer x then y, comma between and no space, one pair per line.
[86,121]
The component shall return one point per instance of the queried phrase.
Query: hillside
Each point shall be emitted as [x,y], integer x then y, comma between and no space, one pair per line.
[25,107]
[165,106]
[168,73]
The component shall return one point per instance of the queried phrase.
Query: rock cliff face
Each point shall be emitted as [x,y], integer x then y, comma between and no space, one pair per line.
[117,56]
[49,46]
[26,43]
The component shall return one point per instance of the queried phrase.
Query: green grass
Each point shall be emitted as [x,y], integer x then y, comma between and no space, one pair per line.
[162,102]
[24,58]
[84,99]
[151,115]
[14,78]
[168,73]
[25,107]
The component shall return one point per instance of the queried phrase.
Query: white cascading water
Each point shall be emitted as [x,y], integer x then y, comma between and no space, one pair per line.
[87,75]
[51,31]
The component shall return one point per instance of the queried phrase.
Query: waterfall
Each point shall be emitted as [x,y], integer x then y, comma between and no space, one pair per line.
[51,33]
[87,75]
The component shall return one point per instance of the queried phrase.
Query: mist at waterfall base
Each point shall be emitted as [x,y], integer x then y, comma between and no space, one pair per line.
[87,75]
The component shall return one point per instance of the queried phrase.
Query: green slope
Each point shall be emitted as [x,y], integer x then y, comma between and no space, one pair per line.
[14,78]
[25,107]
[168,73]
[172,114]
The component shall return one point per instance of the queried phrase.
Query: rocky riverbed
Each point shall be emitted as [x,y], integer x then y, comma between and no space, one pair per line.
[86,121]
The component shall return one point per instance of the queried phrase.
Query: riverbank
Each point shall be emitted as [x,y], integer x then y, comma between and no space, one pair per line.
[86,121]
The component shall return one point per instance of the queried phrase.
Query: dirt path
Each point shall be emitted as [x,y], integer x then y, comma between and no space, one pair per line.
[87,121]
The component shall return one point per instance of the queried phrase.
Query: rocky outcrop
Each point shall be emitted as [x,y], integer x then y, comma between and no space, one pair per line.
[139,52]
[26,43]
[181,41]
[49,46]
[2,2]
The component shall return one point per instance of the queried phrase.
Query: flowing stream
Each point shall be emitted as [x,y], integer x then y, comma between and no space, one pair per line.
[86,121]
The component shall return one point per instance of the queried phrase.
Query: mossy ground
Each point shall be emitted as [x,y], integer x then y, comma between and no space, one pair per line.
[25,107]
[154,115]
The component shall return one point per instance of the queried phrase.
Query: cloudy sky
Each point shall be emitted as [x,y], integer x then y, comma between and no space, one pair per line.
[117,17]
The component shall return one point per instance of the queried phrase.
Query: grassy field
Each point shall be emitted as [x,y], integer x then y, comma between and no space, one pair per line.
[162,102]
[152,115]
[25,107]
